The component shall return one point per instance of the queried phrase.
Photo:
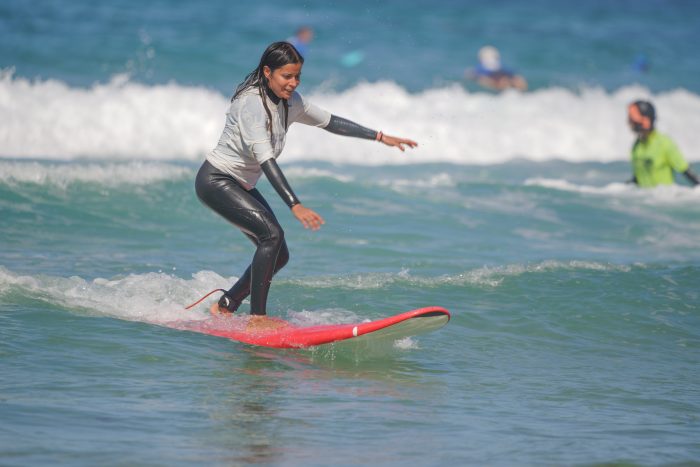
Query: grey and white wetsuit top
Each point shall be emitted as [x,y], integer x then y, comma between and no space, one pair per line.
[245,142]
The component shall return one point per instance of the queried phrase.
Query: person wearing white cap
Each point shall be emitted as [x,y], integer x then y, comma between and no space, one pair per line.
[490,73]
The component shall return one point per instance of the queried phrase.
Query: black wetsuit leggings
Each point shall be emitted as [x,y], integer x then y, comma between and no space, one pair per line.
[247,210]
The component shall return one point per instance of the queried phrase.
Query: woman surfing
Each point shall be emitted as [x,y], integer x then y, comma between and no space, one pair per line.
[262,108]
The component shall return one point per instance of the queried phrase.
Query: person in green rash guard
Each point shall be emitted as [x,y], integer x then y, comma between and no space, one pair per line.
[654,155]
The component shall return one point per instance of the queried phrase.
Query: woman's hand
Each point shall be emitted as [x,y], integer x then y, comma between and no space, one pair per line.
[309,218]
[397,142]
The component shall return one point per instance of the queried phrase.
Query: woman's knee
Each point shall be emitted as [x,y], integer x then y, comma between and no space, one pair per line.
[274,234]
[282,257]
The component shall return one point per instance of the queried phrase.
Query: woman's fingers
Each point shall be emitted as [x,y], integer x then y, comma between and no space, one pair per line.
[308,218]
[398,142]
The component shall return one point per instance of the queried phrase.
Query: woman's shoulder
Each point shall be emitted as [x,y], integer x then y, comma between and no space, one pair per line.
[298,100]
[247,95]
[246,100]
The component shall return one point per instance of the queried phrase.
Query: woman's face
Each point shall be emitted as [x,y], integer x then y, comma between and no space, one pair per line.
[284,80]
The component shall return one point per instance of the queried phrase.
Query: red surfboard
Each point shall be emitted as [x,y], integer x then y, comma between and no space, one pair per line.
[275,332]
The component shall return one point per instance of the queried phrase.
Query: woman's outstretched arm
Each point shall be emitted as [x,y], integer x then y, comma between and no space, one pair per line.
[345,127]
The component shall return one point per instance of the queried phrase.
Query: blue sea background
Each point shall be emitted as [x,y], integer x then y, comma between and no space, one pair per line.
[575,298]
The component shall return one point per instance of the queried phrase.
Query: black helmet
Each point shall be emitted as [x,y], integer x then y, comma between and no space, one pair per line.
[642,115]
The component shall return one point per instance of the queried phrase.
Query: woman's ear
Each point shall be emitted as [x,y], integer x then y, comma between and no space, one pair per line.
[267,72]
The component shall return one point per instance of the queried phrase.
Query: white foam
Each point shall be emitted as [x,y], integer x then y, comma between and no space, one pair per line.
[152,297]
[118,119]
[128,120]
[111,174]
[494,276]
[310,172]
[407,343]
[660,195]
[155,297]
[565,185]
[491,276]
[403,185]
[326,316]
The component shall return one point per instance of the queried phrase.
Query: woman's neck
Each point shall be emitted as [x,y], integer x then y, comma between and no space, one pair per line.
[273,97]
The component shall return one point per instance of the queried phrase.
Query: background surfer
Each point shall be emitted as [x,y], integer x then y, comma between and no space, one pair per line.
[262,108]
[490,72]
[654,155]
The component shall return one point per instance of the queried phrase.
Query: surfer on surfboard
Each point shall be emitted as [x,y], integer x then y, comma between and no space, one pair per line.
[262,108]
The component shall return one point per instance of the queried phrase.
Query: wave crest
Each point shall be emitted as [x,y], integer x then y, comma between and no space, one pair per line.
[129,120]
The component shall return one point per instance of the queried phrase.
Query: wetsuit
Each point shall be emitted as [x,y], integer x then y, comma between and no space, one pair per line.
[226,181]
[480,71]
[654,159]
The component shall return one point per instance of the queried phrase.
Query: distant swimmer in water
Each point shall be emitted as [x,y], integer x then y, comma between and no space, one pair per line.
[641,64]
[490,73]
[654,155]
[262,108]
[301,40]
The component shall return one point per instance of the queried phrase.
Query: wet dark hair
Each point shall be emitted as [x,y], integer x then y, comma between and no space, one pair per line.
[277,55]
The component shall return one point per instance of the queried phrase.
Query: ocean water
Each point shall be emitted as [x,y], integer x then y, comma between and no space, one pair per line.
[575,299]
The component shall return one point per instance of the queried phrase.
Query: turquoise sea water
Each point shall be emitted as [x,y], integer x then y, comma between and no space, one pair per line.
[575,331]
